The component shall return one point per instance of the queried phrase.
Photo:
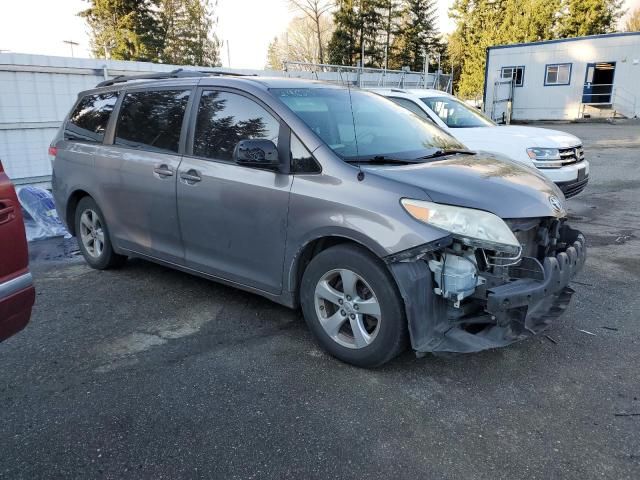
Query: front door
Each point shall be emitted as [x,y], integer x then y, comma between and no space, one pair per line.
[233,219]
[598,83]
[141,171]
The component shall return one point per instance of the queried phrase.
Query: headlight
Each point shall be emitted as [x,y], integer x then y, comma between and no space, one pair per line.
[475,228]
[543,153]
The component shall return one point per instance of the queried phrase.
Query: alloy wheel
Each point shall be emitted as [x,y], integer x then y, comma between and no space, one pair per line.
[347,308]
[92,233]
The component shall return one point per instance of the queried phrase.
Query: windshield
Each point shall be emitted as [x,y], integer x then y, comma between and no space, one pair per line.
[457,114]
[359,125]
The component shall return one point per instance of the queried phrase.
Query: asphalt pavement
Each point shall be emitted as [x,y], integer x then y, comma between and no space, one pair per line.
[146,372]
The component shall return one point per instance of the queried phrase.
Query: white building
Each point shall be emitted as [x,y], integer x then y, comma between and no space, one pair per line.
[565,79]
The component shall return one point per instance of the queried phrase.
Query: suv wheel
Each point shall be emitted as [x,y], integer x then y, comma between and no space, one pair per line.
[93,236]
[352,305]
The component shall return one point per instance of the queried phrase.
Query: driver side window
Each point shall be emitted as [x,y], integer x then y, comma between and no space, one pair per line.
[226,118]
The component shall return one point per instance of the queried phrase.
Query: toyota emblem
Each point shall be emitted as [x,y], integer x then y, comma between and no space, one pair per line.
[555,203]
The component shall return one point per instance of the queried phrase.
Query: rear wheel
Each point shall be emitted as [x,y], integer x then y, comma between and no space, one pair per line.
[352,305]
[93,236]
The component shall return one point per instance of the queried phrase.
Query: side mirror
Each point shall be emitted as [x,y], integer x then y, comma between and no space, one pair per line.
[257,153]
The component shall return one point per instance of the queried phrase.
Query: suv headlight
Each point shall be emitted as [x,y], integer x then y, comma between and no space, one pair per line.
[475,228]
[543,153]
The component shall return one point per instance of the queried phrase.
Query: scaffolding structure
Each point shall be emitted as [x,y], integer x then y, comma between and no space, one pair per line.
[366,77]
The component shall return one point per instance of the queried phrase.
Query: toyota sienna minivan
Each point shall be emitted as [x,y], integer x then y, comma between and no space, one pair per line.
[384,229]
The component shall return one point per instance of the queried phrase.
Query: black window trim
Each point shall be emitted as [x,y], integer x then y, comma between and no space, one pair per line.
[109,138]
[292,171]
[82,96]
[283,139]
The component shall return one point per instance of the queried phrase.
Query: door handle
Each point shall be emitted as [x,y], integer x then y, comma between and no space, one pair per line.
[7,213]
[163,171]
[190,177]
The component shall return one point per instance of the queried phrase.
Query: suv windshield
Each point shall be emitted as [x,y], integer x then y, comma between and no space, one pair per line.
[362,126]
[457,114]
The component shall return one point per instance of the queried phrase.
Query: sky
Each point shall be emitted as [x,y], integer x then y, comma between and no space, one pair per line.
[42,26]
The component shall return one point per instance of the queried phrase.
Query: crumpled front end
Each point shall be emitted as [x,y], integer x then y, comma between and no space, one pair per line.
[466,299]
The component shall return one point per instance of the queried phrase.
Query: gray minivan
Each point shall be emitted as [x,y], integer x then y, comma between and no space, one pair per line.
[381,226]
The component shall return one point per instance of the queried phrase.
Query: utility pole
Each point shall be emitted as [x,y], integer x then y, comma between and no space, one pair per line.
[228,55]
[71,43]
[426,67]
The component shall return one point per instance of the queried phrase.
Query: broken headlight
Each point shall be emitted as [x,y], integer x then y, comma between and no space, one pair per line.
[475,228]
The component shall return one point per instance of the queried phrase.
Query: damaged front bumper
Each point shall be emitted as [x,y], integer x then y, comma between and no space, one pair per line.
[515,310]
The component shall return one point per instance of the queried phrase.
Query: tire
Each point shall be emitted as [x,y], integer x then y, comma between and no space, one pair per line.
[93,236]
[326,303]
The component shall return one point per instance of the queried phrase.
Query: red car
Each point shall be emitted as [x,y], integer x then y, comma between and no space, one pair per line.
[17,293]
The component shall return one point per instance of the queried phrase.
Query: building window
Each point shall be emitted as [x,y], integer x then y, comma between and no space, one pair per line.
[513,73]
[558,74]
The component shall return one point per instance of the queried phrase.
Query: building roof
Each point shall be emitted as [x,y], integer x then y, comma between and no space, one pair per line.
[561,40]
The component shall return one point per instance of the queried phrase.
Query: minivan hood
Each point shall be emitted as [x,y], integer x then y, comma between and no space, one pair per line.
[504,188]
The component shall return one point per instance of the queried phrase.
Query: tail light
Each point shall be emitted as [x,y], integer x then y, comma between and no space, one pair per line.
[53,151]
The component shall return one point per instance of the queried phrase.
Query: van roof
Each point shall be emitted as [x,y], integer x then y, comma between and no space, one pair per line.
[222,79]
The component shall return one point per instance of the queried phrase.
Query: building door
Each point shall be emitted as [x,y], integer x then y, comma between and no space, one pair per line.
[598,83]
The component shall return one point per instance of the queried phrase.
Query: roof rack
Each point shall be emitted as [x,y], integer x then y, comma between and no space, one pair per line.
[178,73]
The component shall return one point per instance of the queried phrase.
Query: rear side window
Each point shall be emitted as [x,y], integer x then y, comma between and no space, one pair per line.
[152,120]
[89,119]
[226,118]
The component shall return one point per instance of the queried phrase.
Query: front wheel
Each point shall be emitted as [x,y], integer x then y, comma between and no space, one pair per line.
[352,305]
[93,236]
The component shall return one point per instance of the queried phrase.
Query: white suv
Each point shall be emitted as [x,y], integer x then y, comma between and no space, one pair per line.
[556,154]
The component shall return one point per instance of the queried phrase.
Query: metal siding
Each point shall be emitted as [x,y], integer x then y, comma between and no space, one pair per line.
[534,101]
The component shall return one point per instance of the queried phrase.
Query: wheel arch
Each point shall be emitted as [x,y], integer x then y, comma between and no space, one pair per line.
[312,248]
[72,204]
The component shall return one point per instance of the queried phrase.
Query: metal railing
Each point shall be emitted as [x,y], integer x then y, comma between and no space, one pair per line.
[367,77]
[603,95]
[502,115]
[625,102]
[609,95]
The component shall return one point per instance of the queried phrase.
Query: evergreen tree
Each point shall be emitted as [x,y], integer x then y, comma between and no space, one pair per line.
[391,14]
[371,24]
[187,35]
[418,36]
[343,44]
[529,21]
[589,17]
[123,29]
[357,21]
[165,31]
[484,23]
